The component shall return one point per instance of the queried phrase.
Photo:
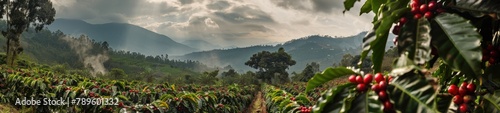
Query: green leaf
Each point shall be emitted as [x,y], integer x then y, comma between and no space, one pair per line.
[443,103]
[369,38]
[479,5]
[402,65]
[327,75]
[376,5]
[348,4]
[388,14]
[412,94]
[366,8]
[492,103]
[366,103]
[458,43]
[415,38]
[331,100]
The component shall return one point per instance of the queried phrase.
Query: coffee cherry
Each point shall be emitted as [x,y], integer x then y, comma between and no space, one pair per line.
[462,91]
[382,85]
[403,20]
[467,98]
[415,10]
[361,87]
[471,87]
[464,84]
[359,79]
[492,60]
[368,78]
[493,53]
[432,5]
[457,99]
[424,8]
[387,105]
[428,15]
[414,4]
[486,58]
[453,89]
[490,47]
[417,16]
[375,87]
[352,79]
[463,108]
[379,77]
[382,95]
[396,29]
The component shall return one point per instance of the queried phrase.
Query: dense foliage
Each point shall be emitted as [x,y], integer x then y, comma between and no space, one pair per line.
[271,66]
[440,43]
[131,95]
[55,49]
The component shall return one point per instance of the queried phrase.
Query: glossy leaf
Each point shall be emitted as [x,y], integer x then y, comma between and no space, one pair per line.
[348,4]
[333,100]
[492,103]
[416,40]
[402,65]
[366,103]
[412,94]
[479,5]
[387,15]
[366,8]
[458,43]
[327,75]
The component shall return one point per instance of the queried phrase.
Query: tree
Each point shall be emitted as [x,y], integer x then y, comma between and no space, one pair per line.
[307,73]
[230,73]
[269,64]
[20,15]
[117,73]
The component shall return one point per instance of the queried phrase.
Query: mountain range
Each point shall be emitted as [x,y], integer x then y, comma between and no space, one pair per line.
[122,36]
[324,50]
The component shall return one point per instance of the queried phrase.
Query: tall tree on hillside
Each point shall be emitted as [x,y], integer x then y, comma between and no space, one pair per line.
[269,64]
[20,15]
[309,71]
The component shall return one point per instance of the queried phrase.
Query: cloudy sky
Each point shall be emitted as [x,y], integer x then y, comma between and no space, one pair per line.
[223,22]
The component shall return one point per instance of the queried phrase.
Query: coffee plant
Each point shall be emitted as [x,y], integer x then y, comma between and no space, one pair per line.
[131,96]
[441,44]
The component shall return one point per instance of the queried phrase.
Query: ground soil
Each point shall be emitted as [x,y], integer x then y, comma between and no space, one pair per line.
[258,105]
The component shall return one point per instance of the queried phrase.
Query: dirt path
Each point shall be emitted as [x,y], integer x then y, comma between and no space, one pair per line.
[258,104]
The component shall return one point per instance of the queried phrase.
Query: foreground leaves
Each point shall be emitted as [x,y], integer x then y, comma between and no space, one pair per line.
[412,94]
[492,103]
[344,99]
[416,40]
[458,43]
[479,5]
[327,75]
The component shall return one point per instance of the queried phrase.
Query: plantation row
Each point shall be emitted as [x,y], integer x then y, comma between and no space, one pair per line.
[41,84]
[291,97]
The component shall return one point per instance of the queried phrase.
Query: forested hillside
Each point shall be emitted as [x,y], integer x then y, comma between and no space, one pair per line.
[123,36]
[90,57]
[325,50]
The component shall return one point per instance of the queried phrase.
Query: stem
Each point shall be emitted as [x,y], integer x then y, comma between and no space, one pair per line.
[480,93]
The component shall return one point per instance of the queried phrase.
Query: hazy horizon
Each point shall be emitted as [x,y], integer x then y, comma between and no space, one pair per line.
[223,22]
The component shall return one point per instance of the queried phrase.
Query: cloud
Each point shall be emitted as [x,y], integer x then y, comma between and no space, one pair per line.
[104,11]
[184,2]
[223,22]
[218,5]
[327,6]
[291,4]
